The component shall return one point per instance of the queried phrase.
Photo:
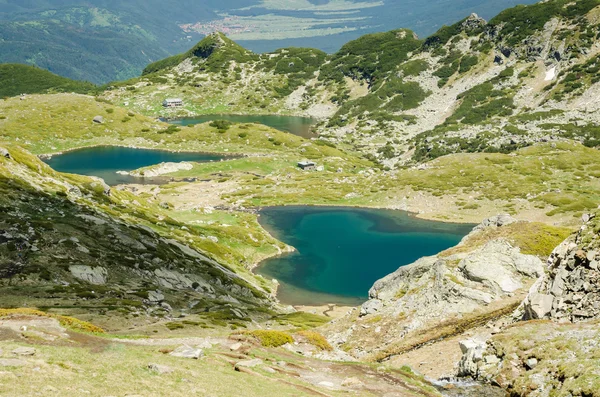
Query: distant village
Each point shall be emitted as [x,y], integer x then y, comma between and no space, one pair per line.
[228,25]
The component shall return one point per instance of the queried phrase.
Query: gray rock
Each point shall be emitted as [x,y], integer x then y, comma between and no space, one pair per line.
[531,363]
[473,351]
[186,351]
[498,221]
[24,351]
[93,275]
[371,306]
[473,22]
[494,265]
[4,153]
[248,363]
[155,296]
[538,306]
[98,119]
[235,346]
[352,382]
[491,359]
[160,369]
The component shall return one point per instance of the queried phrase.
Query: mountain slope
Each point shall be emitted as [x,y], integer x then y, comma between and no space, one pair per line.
[72,240]
[18,79]
[528,75]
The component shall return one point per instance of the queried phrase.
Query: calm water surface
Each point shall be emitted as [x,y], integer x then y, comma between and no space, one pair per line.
[105,161]
[300,126]
[341,252]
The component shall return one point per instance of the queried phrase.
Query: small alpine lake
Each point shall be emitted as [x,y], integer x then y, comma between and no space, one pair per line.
[300,126]
[105,161]
[341,251]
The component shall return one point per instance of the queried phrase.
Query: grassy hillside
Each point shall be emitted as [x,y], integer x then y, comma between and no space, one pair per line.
[16,79]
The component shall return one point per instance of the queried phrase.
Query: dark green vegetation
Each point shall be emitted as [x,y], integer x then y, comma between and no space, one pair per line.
[372,56]
[213,54]
[522,21]
[16,79]
[300,126]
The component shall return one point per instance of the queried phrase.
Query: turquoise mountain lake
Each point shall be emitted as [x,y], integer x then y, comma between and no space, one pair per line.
[300,126]
[105,161]
[341,252]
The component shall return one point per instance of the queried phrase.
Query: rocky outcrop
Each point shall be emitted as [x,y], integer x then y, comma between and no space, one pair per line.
[473,23]
[477,275]
[570,291]
[93,275]
[162,169]
[435,286]
[69,241]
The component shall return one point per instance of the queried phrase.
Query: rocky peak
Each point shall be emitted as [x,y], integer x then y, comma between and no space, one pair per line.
[473,22]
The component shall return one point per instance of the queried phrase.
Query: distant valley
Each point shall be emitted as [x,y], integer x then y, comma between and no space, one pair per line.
[101,41]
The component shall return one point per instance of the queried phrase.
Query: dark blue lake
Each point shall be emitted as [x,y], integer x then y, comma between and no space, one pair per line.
[341,252]
[105,161]
[300,126]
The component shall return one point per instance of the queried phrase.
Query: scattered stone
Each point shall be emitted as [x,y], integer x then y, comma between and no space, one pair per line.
[160,369]
[4,153]
[186,351]
[531,363]
[327,384]
[269,370]
[98,119]
[248,363]
[24,351]
[491,359]
[352,382]
[235,346]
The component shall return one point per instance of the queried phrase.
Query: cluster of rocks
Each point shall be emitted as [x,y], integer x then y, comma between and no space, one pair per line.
[570,291]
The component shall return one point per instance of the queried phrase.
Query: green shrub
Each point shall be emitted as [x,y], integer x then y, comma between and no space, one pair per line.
[270,338]
[316,339]
[221,125]
[172,326]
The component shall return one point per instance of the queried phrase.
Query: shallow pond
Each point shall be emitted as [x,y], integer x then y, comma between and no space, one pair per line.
[341,252]
[300,126]
[105,161]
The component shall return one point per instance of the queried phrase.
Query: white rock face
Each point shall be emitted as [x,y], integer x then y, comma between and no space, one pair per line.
[435,288]
[163,169]
[550,74]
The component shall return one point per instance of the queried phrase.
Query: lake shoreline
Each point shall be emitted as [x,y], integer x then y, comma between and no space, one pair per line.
[48,156]
[322,233]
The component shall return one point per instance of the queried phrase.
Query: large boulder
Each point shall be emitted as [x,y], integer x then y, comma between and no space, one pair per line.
[186,351]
